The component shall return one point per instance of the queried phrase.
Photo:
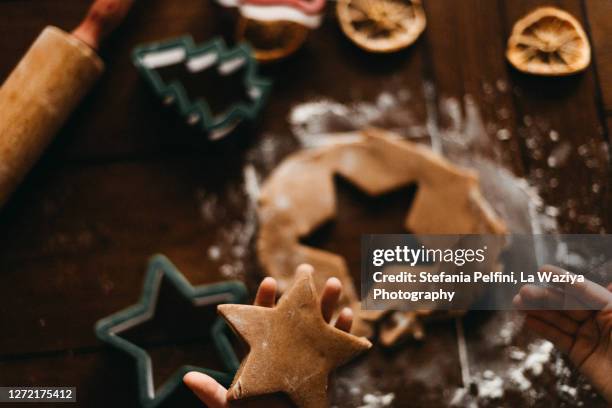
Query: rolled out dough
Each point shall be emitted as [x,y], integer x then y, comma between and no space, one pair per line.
[299,196]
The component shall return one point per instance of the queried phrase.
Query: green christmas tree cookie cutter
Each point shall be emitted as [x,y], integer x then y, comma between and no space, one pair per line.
[150,57]
[159,267]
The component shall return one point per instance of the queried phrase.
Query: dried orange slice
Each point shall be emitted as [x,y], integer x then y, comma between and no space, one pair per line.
[381,25]
[271,40]
[549,41]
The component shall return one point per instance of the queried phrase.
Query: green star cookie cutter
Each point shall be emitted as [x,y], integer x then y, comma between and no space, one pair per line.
[109,328]
[149,57]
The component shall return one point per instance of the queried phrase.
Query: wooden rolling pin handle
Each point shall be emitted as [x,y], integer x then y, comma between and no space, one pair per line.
[47,85]
[101,19]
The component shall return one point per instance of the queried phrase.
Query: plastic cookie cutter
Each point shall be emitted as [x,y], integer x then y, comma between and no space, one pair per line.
[276,28]
[109,329]
[180,71]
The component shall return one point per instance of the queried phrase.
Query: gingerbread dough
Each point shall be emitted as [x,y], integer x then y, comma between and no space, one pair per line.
[292,348]
[299,196]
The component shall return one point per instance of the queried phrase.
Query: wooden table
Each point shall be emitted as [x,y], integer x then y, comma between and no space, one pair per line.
[123,181]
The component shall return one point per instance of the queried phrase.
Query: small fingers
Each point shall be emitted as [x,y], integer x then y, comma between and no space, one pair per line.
[345,320]
[557,319]
[587,293]
[561,340]
[210,392]
[329,298]
[531,297]
[266,294]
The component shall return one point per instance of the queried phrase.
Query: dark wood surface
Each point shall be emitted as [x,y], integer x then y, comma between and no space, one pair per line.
[598,12]
[125,180]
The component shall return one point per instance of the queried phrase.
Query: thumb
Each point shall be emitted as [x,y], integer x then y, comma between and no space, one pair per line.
[590,294]
[210,392]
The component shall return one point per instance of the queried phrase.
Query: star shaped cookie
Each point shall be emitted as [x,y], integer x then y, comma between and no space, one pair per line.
[292,348]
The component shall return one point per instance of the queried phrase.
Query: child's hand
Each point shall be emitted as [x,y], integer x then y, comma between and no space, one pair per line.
[584,335]
[212,393]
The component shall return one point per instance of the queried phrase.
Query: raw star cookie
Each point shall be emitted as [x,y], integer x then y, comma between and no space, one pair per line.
[292,348]
[299,196]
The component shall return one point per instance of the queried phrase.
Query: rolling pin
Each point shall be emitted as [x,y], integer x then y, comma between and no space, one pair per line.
[47,85]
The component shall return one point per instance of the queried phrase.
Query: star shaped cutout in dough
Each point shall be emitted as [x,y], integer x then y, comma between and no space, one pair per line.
[292,348]
[300,195]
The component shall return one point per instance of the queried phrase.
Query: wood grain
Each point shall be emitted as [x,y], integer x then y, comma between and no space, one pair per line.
[126,179]
[457,47]
[600,14]
[102,379]
[567,107]
[608,202]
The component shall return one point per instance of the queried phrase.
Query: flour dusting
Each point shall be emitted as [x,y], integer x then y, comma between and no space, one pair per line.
[377,401]
[464,141]
[233,239]
[324,118]
[490,385]
[539,353]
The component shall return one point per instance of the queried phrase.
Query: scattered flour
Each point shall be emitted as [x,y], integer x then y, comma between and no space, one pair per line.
[317,122]
[464,141]
[493,385]
[233,241]
[539,353]
[377,401]
[214,252]
[209,208]
[490,386]
[516,354]
[266,154]
[314,121]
